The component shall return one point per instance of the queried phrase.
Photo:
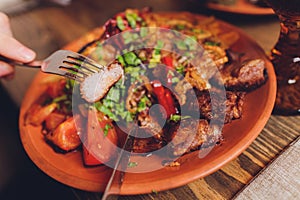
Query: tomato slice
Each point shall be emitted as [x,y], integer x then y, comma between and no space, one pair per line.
[100,144]
[88,158]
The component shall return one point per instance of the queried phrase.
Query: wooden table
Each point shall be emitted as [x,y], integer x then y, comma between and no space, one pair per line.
[46,29]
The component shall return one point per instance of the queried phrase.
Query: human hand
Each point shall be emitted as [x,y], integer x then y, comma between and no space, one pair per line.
[11,48]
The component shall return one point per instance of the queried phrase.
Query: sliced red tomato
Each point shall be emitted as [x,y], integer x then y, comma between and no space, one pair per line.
[100,144]
[89,159]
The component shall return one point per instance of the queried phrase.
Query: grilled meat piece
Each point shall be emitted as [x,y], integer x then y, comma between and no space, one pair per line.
[233,105]
[66,135]
[243,76]
[144,144]
[94,87]
[194,134]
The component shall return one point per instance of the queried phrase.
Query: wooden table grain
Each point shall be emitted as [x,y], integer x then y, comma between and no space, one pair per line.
[46,29]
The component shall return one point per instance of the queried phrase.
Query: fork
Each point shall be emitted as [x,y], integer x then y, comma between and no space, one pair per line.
[64,63]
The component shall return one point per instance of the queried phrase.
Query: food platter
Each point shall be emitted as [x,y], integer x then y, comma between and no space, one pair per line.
[241,7]
[238,135]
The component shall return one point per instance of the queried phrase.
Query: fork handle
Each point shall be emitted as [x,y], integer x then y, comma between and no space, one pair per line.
[16,63]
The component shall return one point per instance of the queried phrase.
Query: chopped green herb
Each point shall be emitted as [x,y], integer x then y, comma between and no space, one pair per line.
[132,164]
[143,32]
[106,129]
[97,105]
[159,45]
[143,103]
[60,98]
[175,80]
[120,23]
[131,59]
[191,42]
[180,27]
[180,69]
[185,117]
[70,84]
[175,118]
[212,43]
[113,94]
[198,31]
[181,45]
[121,60]
[131,18]
[130,37]
[154,191]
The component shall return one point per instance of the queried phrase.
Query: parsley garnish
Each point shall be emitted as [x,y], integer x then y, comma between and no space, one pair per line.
[154,191]
[106,129]
[132,164]
[175,118]
[143,103]
[212,43]
[120,23]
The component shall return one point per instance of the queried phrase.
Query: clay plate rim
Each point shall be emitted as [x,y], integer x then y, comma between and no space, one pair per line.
[241,7]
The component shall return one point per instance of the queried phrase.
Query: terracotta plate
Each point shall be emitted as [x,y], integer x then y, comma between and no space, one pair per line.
[241,7]
[69,169]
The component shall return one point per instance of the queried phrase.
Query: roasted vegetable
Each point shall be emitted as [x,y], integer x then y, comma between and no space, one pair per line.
[100,143]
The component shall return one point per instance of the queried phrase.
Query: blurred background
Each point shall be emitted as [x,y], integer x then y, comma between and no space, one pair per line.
[48,25]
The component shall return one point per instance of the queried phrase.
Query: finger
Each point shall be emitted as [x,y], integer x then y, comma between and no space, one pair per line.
[9,77]
[5,25]
[13,49]
[5,69]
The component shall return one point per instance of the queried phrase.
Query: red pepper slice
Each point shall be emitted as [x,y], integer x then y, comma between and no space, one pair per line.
[164,98]
[168,61]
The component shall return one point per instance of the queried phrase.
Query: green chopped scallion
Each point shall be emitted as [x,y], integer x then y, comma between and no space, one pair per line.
[180,26]
[181,45]
[60,98]
[180,69]
[106,129]
[154,191]
[120,23]
[131,59]
[212,43]
[132,164]
[175,118]
[143,32]
[131,18]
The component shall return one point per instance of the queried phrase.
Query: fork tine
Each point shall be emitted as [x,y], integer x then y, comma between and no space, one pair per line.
[71,65]
[87,61]
[73,70]
[81,66]
[73,76]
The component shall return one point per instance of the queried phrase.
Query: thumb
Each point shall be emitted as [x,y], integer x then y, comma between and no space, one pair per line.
[13,49]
